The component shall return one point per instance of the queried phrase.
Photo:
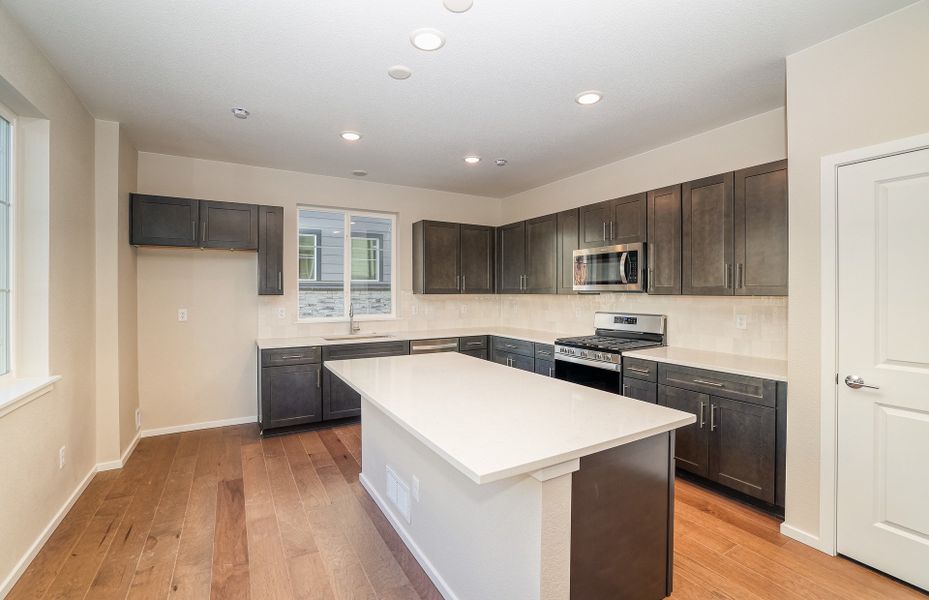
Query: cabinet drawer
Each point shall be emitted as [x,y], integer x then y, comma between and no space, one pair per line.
[513,346]
[472,342]
[480,353]
[290,356]
[373,350]
[640,390]
[724,385]
[640,369]
[517,361]
[545,352]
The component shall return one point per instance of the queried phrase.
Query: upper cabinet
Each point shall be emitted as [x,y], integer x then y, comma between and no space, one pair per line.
[270,250]
[664,241]
[619,221]
[511,258]
[164,221]
[527,256]
[228,225]
[452,258]
[760,221]
[708,247]
[568,241]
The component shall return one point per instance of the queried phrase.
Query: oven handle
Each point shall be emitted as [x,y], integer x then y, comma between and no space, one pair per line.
[606,366]
[622,268]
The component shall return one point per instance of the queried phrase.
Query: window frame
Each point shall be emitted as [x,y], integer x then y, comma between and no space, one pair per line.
[316,267]
[378,241]
[347,215]
[10,117]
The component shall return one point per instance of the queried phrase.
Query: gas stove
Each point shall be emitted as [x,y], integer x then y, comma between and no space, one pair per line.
[615,333]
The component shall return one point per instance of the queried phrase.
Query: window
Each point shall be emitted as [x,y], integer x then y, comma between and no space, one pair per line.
[345,262]
[6,194]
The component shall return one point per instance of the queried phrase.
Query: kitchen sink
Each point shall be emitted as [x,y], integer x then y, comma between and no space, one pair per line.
[357,337]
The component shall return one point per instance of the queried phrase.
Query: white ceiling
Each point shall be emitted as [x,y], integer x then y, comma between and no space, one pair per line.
[503,85]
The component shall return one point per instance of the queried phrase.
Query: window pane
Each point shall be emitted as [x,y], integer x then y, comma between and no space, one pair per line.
[371,265]
[321,265]
[5,170]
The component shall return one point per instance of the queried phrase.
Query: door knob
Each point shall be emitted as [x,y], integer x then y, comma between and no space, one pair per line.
[855,382]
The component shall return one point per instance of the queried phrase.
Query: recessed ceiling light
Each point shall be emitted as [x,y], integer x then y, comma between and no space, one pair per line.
[589,97]
[472,160]
[500,162]
[459,6]
[399,72]
[427,39]
[351,136]
[240,113]
[359,172]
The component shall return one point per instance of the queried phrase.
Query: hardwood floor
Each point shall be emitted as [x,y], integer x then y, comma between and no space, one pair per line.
[223,514]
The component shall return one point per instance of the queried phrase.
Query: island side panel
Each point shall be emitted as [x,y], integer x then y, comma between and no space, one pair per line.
[622,522]
[474,541]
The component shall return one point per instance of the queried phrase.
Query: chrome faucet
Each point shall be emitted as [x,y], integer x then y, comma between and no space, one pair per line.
[353,327]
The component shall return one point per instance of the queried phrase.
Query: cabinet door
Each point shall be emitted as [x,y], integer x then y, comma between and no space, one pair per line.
[441,274]
[545,367]
[163,221]
[628,222]
[270,250]
[640,389]
[228,225]
[290,395]
[760,221]
[568,242]
[742,451]
[541,255]
[511,258]
[594,224]
[664,241]
[691,445]
[477,259]
[707,236]
[339,399]
[517,361]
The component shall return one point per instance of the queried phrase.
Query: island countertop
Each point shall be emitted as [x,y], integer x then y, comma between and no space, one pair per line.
[492,422]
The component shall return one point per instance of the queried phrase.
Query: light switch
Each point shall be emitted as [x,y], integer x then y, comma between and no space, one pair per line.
[741,322]
[182,314]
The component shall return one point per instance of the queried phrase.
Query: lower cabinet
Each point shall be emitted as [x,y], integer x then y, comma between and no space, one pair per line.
[340,400]
[691,445]
[545,367]
[517,361]
[646,391]
[481,353]
[290,395]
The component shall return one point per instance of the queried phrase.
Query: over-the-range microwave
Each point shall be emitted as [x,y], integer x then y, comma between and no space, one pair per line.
[619,268]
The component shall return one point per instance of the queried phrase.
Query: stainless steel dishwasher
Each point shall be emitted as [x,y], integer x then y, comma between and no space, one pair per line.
[434,345]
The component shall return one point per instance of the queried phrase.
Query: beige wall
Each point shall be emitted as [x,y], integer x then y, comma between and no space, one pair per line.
[204,369]
[866,86]
[127,337]
[34,489]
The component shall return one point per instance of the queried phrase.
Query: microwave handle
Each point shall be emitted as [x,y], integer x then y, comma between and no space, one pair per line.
[622,268]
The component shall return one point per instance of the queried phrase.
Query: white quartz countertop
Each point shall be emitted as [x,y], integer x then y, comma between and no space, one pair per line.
[766,368]
[531,335]
[492,422]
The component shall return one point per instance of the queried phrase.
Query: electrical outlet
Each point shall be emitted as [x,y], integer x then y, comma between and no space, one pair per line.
[61,457]
[741,322]
[414,309]
[182,314]
[463,309]
[281,313]
[138,419]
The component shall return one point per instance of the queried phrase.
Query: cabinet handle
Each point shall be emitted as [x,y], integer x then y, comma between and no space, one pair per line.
[702,414]
[551,371]
[651,279]
[458,282]
[203,237]
[713,408]
[318,371]
[712,383]
[291,356]
[728,276]
[638,370]
[463,287]
[612,237]
[193,230]
[604,231]
[280,280]
[739,276]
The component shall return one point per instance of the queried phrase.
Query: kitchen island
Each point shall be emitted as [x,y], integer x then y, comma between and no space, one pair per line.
[504,484]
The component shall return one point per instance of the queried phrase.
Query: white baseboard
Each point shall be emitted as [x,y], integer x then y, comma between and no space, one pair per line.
[195,426]
[417,553]
[36,546]
[121,462]
[803,537]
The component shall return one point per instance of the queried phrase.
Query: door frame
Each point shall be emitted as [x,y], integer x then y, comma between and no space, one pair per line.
[829,304]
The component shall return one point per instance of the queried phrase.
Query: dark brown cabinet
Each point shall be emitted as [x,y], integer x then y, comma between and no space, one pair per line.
[742,450]
[527,256]
[691,445]
[568,241]
[270,250]
[664,241]
[228,225]
[163,221]
[760,236]
[452,258]
[339,399]
[290,395]
[640,389]
[707,236]
[517,361]
[545,367]
[619,221]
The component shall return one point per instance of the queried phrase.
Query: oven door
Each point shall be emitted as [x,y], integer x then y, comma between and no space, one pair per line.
[607,380]
[617,268]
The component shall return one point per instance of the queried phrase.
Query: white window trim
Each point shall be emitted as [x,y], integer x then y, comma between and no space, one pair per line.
[377,257]
[10,376]
[347,214]
[316,265]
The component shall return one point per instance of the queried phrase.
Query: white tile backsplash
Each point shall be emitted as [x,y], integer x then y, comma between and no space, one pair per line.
[699,322]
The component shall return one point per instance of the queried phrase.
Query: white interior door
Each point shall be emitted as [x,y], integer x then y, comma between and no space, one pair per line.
[883,431]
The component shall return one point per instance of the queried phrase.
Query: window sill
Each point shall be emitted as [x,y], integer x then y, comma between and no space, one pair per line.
[365,319]
[20,391]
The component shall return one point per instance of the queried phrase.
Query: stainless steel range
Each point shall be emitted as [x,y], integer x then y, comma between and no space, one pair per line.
[596,360]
